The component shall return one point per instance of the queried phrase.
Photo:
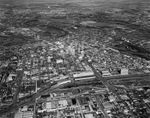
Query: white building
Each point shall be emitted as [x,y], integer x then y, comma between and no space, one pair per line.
[106,73]
[124,71]
[28,114]
[63,103]
[89,115]
[59,61]
[82,74]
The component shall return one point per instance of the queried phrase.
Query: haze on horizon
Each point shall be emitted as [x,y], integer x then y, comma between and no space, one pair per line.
[100,4]
[59,1]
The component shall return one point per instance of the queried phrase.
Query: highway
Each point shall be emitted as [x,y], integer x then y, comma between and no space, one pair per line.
[30,100]
[47,89]
[54,87]
[43,91]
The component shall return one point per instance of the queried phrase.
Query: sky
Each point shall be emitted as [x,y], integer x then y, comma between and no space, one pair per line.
[68,1]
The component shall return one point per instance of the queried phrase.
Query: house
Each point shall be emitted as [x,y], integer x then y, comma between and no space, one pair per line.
[111,98]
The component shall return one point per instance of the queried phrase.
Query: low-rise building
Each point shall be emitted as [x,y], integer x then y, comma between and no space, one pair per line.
[124,71]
